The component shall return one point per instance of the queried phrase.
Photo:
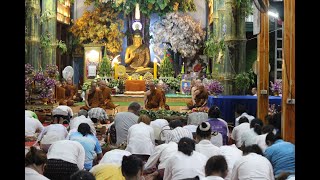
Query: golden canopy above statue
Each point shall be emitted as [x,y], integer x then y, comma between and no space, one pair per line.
[137,55]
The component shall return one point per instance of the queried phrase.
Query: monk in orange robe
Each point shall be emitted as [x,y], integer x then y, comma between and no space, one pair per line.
[60,94]
[154,98]
[199,97]
[160,87]
[93,97]
[69,93]
[106,94]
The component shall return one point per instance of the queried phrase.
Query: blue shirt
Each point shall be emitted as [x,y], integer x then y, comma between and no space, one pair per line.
[91,147]
[281,154]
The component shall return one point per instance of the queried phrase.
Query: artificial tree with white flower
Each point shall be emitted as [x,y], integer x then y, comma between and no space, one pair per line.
[179,33]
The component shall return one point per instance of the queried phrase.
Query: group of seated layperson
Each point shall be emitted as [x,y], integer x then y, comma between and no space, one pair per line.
[134,147]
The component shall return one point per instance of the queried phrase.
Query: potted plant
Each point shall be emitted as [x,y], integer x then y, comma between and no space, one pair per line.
[243,82]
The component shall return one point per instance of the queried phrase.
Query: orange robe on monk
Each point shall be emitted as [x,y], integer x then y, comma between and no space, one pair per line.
[155,100]
[95,99]
[200,99]
[106,94]
[61,95]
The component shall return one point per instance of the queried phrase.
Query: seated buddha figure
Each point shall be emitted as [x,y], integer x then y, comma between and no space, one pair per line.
[137,56]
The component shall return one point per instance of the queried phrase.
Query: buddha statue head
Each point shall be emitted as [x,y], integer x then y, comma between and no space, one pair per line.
[137,38]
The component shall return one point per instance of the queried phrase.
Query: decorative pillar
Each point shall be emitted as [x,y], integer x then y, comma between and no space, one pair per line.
[288,73]
[49,26]
[32,38]
[235,41]
[263,66]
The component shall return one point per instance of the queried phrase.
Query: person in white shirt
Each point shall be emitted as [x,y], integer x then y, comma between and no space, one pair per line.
[232,154]
[32,126]
[65,157]
[216,168]
[237,131]
[31,114]
[261,139]
[81,118]
[157,126]
[35,161]
[114,157]
[204,145]
[124,120]
[140,138]
[249,137]
[252,165]
[241,111]
[216,139]
[177,131]
[163,152]
[186,163]
[52,133]
[63,113]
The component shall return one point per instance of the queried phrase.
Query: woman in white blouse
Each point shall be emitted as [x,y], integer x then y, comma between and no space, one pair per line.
[203,137]
[186,163]
[140,139]
[34,164]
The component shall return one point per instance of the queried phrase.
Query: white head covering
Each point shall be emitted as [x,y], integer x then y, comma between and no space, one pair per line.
[98,113]
[114,157]
[63,111]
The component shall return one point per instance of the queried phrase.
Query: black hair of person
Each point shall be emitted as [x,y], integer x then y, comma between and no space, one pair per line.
[256,124]
[186,146]
[204,130]
[243,119]
[131,165]
[135,107]
[175,123]
[252,149]
[272,137]
[214,112]
[35,156]
[84,129]
[216,163]
[82,175]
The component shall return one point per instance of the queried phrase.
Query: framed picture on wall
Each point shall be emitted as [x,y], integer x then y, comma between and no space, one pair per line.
[185,87]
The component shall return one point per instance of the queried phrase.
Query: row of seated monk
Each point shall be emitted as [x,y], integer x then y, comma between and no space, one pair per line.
[67,92]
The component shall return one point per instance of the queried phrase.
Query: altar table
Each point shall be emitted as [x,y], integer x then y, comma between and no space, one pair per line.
[227,105]
[135,85]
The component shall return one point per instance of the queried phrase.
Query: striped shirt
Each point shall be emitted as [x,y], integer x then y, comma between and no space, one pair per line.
[176,134]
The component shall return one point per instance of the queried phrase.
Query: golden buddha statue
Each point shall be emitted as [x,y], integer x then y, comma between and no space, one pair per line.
[137,55]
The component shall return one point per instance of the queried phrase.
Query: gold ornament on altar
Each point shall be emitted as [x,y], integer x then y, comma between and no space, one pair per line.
[135,76]
[124,77]
[148,76]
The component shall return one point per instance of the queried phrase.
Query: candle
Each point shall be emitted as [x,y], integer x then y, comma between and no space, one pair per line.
[116,70]
[182,70]
[155,66]
[137,12]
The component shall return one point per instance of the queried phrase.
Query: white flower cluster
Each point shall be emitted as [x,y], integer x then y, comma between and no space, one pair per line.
[179,33]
